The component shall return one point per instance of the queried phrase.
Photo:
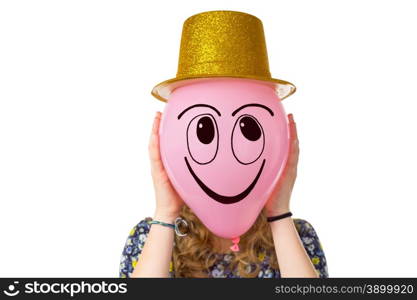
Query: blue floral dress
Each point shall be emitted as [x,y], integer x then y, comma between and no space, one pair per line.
[309,238]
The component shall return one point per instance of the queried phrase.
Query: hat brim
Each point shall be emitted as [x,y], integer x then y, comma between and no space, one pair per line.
[163,90]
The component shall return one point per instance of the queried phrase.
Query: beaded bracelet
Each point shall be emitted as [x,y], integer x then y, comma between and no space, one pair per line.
[162,223]
[178,221]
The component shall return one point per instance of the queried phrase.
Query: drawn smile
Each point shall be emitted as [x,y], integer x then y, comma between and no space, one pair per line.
[221,198]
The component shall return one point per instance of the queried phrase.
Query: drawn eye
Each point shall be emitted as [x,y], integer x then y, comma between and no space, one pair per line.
[250,128]
[205,130]
[203,138]
[248,139]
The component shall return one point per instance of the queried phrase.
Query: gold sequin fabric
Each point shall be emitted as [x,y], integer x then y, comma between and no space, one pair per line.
[223,42]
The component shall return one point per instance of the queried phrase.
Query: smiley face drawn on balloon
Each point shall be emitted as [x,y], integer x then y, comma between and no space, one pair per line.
[247,132]
[224,143]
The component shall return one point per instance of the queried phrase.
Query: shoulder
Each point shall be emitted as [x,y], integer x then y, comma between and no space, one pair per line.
[312,245]
[141,228]
[304,228]
[307,233]
[137,236]
[133,247]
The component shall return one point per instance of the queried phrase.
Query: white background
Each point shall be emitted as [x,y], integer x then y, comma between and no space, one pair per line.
[76,111]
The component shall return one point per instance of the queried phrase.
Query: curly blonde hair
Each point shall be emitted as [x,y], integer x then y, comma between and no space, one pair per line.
[193,256]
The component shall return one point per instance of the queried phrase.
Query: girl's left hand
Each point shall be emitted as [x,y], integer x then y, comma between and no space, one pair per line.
[279,202]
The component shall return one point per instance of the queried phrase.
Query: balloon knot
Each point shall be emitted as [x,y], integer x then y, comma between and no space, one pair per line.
[235,246]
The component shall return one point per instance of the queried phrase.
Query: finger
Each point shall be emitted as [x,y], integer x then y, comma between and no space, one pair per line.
[293,145]
[156,121]
[154,152]
[293,127]
[154,131]
[294,155]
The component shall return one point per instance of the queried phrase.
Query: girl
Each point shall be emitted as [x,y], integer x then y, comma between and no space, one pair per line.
[283,248]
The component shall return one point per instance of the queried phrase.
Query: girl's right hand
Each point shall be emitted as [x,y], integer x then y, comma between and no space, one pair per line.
[168,202]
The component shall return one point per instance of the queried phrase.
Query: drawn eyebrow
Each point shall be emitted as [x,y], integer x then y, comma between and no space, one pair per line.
[198,105]
[253,104]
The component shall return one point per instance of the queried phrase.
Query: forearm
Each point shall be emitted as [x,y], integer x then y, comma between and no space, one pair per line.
[157,252]
[292,258]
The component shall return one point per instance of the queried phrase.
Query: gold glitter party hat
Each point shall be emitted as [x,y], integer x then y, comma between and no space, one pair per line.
[222,44]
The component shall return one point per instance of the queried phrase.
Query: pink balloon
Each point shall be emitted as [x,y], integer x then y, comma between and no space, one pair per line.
[224,143]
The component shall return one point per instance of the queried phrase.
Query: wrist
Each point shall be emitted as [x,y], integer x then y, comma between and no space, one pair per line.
[167,217]
[276,211]
[281,225]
